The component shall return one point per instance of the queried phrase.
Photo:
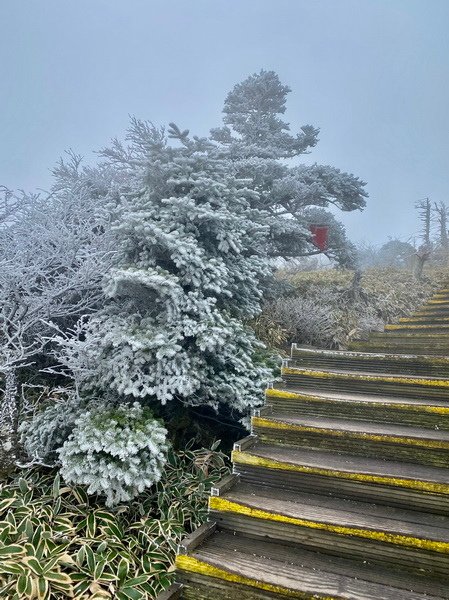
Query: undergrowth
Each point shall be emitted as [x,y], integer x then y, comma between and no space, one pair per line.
[57,542]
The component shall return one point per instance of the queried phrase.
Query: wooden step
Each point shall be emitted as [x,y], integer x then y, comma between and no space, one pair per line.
[347,476]
[441,303]
[316,402]
[412,338]
[407,343]
[361,438]
[342,489]
[418,328]
[431,310]
[370,383]
[394,346]
[352,529]
[233,567]
[403,364]
[424,319]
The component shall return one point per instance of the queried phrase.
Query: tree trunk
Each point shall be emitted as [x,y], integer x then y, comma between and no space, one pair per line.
[8,421]
[422,255]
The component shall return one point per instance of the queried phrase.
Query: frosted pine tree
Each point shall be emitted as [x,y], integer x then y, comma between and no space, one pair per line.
[193,257]
[195,222]
[262,148]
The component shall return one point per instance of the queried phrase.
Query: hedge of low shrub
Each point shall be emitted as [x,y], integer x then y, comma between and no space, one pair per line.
[57,542]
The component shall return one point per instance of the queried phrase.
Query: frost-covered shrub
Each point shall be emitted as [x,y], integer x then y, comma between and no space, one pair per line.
[45,432]
[305,321]
[116,452]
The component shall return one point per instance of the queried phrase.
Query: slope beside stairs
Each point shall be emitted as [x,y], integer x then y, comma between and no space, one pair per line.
[342,489]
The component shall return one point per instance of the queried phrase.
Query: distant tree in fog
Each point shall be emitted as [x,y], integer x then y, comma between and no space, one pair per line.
[394,253]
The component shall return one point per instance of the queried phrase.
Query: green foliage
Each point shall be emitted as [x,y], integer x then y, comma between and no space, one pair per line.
[115,451]
[56,542]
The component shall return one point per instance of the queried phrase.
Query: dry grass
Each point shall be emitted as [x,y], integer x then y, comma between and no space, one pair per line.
[323,308]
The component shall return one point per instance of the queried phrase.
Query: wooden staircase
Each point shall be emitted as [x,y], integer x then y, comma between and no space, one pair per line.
[342,489]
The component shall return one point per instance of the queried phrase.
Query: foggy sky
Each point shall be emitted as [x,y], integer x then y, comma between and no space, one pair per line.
[372,74]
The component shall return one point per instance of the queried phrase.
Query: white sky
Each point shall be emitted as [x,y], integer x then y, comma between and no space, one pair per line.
[372,74]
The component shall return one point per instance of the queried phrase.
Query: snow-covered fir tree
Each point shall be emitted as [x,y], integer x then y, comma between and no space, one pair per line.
[193,255]
[260,144]
[195,224]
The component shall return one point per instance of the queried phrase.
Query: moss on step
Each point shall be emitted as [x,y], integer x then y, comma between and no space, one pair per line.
[244,458]
[193,565]
[443,383]
[373,437]
[224,505]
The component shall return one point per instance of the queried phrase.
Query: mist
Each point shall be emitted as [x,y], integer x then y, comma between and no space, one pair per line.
[373,75]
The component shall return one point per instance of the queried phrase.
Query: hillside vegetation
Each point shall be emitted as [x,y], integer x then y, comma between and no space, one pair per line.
[328,308]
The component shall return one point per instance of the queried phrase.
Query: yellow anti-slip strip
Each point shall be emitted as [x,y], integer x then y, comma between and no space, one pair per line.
[420,318]
[223,505]
[193,565]
[275,393]
[244,458]
[410,326]
[358,377]
[360,435]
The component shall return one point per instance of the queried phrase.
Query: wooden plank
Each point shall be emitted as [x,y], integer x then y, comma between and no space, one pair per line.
[346,488]
[296,573]
[367,376]
[413,435]
[416,475]
[174,592]
[196,538]
[366,397]
[388,556]
[354,517]
[224,484]
[382,440]
[315,402]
